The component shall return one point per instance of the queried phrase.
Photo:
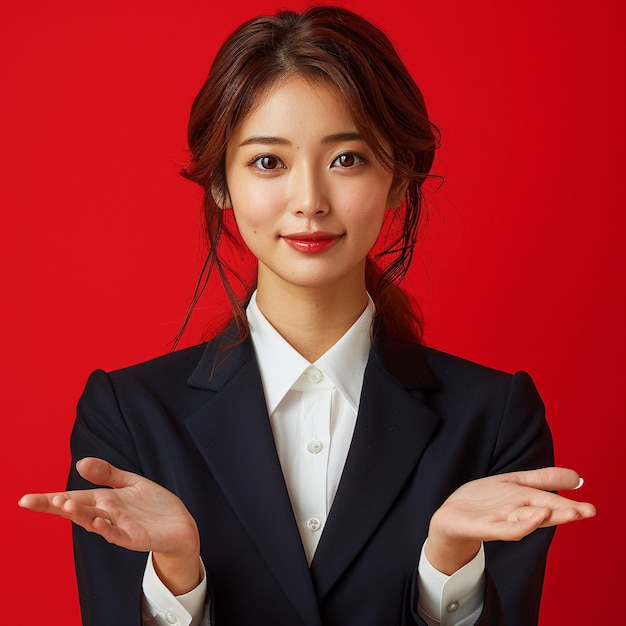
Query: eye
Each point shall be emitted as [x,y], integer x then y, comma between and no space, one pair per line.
[267,162]
[347,159]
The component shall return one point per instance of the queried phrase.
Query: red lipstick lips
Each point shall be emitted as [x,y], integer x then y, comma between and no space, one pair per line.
[311,243]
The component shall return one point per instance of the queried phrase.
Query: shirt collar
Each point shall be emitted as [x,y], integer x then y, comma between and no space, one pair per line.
[281,366]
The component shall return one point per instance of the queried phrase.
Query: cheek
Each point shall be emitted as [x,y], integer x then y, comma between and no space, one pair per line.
[366,208]
[253,211]
[369,224]
[255,226]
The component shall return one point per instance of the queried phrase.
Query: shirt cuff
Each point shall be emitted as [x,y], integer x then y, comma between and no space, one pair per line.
[455,600]
[160,606]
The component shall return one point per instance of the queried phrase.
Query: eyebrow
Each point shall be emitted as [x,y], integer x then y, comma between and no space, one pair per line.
[281,141]
[268,141]
[349,136]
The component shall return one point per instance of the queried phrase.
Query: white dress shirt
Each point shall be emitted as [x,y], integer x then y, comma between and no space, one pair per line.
[313,411]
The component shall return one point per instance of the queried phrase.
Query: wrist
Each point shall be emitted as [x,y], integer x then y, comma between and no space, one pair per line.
[179,574]
[448,556]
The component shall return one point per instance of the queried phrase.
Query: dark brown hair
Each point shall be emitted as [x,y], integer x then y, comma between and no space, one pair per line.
[335,45]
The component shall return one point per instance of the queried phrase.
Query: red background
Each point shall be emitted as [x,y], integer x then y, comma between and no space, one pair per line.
[521,267]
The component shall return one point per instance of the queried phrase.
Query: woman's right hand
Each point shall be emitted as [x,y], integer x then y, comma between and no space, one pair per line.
[134,513]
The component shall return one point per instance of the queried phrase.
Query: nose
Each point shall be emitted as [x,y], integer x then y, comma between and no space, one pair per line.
[308,196]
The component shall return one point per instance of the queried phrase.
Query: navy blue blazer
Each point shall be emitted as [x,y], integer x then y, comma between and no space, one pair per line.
[196,422]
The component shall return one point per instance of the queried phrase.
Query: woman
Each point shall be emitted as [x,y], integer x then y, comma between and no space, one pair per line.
[313,463]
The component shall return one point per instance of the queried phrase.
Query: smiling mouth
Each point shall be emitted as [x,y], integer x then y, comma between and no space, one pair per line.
[311,243]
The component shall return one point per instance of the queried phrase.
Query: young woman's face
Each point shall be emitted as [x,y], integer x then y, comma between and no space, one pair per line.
[308,194]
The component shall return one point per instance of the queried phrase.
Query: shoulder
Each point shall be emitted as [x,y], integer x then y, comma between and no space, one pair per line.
[475,384]
[177,375]
[484,408]
[421,367]
[162,379]
[448,367]
[183,363]
[174,364]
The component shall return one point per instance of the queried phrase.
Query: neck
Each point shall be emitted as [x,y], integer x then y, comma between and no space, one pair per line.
[312,320]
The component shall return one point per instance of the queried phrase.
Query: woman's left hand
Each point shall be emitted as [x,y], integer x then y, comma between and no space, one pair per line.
[505,507]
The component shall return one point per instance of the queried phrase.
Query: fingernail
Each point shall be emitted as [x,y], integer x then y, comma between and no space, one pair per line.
[581,482]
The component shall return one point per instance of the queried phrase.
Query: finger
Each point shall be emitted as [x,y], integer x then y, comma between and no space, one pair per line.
[81,510]
[81,513]
[547,478]
[67,504]
[561,510]
[552,511]
[566,514]
[115,534]
[559,504]
[525,520]
[518,526]
[101,472]
[531,514]
[39,502]
[94,520]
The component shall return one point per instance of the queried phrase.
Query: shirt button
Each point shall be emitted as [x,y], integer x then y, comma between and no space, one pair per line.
[452,607]
[314,446]
[313,524]
[170,618]
[313,375]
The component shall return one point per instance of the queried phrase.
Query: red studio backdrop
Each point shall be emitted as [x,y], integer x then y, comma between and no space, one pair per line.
[521,265]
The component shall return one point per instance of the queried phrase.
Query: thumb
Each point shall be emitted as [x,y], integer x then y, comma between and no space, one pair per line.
[101,472]
[547,478]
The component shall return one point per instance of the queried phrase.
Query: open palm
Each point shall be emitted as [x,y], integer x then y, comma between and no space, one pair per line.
[131,511]
[510,506]
[505,507]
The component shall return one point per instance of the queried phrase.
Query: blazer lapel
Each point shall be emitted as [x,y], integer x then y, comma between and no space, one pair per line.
[233,433]
[392,430]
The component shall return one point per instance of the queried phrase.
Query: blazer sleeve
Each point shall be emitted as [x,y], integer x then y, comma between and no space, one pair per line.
[524,442]
[515,570]
[514,437]
[109,577]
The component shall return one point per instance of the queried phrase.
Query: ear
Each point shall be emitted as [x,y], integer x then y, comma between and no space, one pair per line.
[397,192]
[221,198]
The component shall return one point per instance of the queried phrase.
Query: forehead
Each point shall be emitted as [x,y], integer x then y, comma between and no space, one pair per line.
[299,103]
